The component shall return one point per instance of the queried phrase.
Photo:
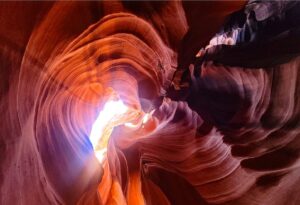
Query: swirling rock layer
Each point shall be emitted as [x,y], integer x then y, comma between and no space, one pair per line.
[234,140]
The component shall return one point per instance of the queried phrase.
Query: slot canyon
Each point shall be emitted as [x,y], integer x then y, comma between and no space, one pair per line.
[150,102]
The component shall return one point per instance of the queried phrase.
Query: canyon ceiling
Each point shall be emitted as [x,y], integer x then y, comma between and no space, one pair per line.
[209,93]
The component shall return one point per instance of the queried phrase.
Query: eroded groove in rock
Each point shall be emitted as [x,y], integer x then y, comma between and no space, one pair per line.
[231,136]
[107,61]
[204,161]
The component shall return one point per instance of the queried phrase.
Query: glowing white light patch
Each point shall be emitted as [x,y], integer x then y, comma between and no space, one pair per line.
[100,154]
[146,118]
[110,110]
[129,124]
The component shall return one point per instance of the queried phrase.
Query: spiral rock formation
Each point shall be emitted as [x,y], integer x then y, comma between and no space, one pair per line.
[224,132]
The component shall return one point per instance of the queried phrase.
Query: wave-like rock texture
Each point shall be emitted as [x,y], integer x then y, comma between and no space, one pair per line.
[259,120]
[234,140]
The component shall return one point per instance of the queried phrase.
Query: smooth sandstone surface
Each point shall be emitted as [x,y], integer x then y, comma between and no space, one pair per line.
[233,140]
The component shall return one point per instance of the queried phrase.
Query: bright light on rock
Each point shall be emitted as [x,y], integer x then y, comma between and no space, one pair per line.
[103,126]
[145,119]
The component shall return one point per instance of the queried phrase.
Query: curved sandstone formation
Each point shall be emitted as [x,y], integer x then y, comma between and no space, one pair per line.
[228,136]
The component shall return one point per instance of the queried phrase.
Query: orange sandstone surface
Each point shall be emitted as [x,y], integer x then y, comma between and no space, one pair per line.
[62,62]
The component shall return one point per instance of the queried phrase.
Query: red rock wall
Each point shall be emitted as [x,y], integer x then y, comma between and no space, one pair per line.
[61,61]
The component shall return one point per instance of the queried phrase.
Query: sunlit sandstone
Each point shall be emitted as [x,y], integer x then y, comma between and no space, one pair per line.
[149,103]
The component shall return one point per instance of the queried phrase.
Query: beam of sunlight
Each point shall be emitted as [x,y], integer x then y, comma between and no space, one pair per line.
[103,126]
